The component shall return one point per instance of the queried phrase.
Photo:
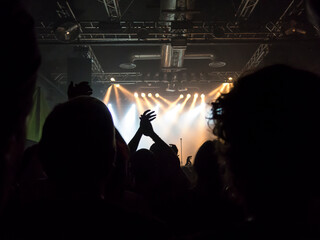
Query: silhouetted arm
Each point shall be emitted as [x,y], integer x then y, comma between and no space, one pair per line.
[146,117]
[134,142]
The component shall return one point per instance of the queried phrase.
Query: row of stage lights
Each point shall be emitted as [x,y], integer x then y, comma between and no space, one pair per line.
[157,95]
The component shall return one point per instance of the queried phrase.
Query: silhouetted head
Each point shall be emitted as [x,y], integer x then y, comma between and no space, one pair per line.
[174,148]
[269,120]
[207,167]
[78,143]
[144,169]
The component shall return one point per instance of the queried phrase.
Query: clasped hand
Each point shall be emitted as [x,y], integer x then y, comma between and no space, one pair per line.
[145,122]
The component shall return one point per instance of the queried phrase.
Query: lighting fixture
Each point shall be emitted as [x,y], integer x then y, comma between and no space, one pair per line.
[67,31]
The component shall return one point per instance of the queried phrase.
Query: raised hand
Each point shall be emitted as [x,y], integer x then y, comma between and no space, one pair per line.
[145,122]
[82,88]
[149,115]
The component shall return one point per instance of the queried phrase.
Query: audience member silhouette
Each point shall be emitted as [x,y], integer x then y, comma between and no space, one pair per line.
[170,182]
[78,151]
[188,161]
[21,60]
[174,148]
[269,123]
[266,128]
[209,202]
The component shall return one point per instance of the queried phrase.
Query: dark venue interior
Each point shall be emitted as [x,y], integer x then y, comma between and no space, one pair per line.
[160,119]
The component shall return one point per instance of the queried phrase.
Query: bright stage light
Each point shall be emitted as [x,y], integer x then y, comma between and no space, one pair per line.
[188,95]
[113,114]
[112,79]
[202,95]
[128,122]
[181,95]
[149,94]
[196,95]
[157,95]
[136,94]
[230,78]
[117,85]
[156,109]
[143,95]
[107,96]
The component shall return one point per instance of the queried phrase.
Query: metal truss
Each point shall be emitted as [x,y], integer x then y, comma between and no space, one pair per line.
[96,67]
[112,8]
[246,8]
[104,77]
[157,32]
[138,77]
[62,10]
[257,57]
[225,76]
[294,8]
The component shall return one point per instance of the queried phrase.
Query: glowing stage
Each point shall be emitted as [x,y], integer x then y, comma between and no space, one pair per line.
[183,121]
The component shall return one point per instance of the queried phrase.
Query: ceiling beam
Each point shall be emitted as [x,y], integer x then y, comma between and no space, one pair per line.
[112,8]
[245,9]
[295,7]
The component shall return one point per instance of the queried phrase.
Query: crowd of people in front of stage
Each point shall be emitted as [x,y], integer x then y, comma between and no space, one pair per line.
[258,178]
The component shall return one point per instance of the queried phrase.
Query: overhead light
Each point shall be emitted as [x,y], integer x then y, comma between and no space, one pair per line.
[196,95]
[171,87]
[188,95]
[217,64]
[181,95]
[202,95]
[230,78]
[294,28]
[157,95]
[182,89]
[136,94]
[149,94]
[128,66]
[67,31]
[112,79]
[117,85]
[143,95]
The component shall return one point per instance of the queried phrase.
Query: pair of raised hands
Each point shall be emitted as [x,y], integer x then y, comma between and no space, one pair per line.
[145,122]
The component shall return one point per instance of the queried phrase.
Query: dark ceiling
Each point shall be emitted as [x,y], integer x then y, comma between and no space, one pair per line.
[242,42]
